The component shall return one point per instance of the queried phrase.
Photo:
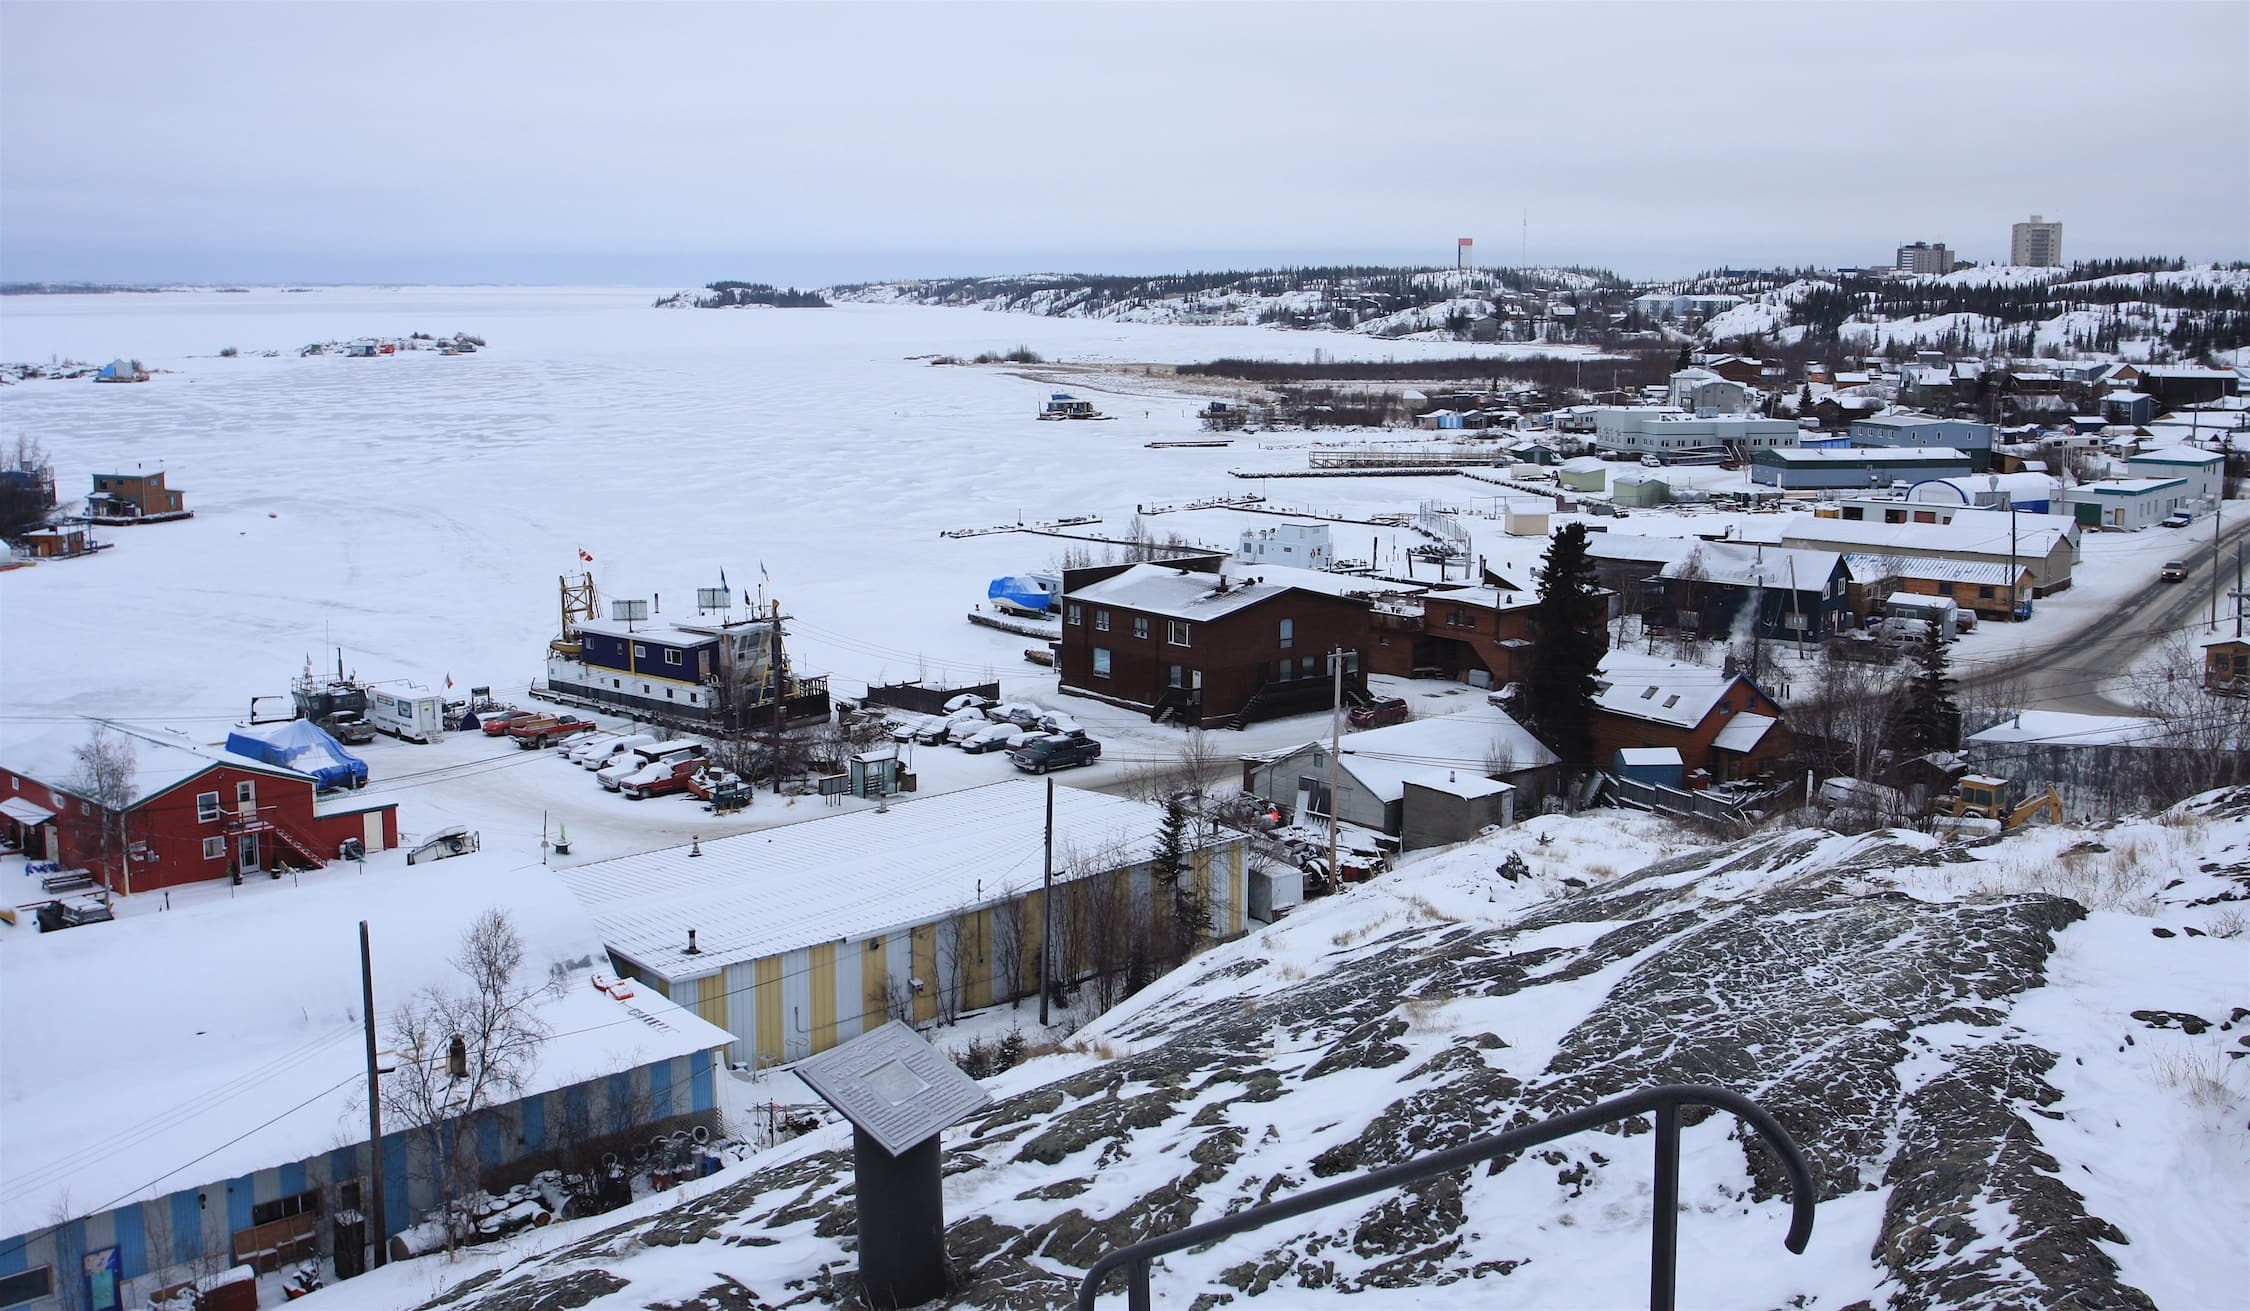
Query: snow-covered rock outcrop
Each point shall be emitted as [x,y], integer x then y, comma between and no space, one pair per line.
[1976,1065]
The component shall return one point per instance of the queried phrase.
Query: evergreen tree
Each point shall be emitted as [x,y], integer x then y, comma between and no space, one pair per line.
[1684,361]
[1175,880]
[1567,643]
[1931,720]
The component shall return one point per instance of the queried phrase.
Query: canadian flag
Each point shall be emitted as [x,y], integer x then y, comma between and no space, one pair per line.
[585,555]
[449,682]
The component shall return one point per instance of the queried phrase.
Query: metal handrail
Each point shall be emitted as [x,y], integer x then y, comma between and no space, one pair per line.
[1665,1101]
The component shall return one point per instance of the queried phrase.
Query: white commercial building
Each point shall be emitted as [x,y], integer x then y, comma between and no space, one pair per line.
[1661,430]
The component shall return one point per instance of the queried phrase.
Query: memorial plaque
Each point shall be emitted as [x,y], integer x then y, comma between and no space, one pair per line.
[894,1086]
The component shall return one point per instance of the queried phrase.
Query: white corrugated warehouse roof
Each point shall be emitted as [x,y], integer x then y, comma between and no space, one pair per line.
[1384,760]
[847,876]
[175,1049]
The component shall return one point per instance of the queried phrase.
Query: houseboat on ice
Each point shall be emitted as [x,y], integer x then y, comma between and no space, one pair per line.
[1063,405]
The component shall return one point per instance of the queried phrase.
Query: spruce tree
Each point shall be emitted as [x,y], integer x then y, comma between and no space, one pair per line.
[1931,720]
[1175,881]
[1568,639]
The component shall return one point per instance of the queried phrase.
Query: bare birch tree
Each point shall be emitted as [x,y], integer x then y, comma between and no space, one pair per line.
[463,1050]
[106,765]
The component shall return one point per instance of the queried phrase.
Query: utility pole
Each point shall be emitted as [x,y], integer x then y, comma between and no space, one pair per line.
[2218,516]
[1335,753]
[2015,575]
[376,1235]
[1047,908]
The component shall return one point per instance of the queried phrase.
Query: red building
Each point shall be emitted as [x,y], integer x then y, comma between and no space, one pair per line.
[195,812]
[1454,634]
[1723,724]
[1209,641]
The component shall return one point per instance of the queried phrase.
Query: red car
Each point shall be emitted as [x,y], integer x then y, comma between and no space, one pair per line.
[495,725]
[1378,712]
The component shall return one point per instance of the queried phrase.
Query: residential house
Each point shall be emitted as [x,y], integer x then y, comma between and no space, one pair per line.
[1926,385]
[1837,411]
[1701,391]
[1427,782]
[1906,429]
[38,483]
[1991,589]
[2176,386]
[126,497]
[1210,641]
[1775,592]
[186,1092]
[797,938]
[2132,408]
[1740,369]
[1724,726]
[191,812]
[1480,635]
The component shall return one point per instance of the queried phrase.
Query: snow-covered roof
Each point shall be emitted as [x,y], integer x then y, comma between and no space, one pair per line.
[1868,566]
[1754,564]
[2062,728]
[1161,589]
[1743,733]
[1384,760]
[1583,464]
[2128,396]
[1632,547]
[1665,691]
[2181,455]
[1486,598]
[1650,755]
[1818,455]
[223,1015]
[1972,531]
[162,759]
[659,632]
[846,876]
[2129,486]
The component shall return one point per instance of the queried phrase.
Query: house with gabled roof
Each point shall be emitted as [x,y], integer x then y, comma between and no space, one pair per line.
[1208,641]
[192,811]
[1722,724]
[1789,594]
[1427,782]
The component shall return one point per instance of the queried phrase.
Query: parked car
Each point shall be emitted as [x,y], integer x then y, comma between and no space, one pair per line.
[1651,462]
[993,737]
[2178,519]
[959,731]
[496,724]
[1055,752]
[1021,714]
[2173,571]
[967,701]
[577,752]
[1378,711]
[932,731]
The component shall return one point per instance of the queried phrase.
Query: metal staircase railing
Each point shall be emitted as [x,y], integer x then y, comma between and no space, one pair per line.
[1665,1101]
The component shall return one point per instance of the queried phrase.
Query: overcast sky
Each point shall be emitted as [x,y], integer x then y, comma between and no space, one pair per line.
[675,144]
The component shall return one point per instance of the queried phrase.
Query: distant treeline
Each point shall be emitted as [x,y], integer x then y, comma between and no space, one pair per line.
[1400,288]
[725,295]
[1601,373]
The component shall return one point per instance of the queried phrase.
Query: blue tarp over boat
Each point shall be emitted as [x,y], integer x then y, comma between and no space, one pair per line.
[301,745]
[1025,592]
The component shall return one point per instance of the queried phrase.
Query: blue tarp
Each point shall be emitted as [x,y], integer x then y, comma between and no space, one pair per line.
[1021,592]
[301,745]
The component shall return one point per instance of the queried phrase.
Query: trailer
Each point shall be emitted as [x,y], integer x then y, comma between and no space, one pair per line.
[413,716]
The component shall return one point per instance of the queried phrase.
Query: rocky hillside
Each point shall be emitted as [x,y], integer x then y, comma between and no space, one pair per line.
[2017,1068]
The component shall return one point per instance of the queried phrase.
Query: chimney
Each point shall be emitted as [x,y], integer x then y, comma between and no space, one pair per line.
[692,949]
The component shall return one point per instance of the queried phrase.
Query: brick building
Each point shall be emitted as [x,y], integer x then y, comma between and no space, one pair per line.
[1209,641]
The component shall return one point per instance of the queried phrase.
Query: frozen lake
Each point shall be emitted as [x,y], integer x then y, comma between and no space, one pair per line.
[417,509]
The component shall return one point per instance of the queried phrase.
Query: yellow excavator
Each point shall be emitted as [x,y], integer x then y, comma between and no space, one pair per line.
[1994,801]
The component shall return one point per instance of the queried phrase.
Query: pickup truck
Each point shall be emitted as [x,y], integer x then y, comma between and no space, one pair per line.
[1055,752]
[547,730]
[659,778]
